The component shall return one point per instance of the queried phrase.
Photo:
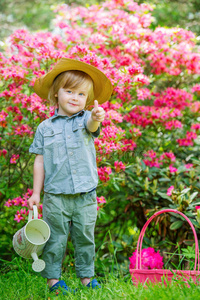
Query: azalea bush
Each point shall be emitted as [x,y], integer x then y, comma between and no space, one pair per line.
[147,152]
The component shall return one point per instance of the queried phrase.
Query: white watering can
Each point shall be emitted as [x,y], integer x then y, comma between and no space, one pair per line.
[30,240]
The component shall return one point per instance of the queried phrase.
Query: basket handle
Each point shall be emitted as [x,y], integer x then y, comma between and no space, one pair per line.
[140,239]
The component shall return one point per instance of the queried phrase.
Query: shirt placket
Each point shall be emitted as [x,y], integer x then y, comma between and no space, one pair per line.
[71,154]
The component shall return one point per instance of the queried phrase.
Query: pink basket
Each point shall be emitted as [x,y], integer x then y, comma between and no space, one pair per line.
[161,275]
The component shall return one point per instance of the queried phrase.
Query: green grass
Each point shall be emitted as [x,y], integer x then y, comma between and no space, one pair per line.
[19,282]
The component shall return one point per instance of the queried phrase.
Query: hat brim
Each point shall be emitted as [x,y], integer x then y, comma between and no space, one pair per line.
[102,85]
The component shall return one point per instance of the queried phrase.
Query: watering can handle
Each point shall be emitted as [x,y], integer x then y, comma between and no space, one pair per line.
[33,213]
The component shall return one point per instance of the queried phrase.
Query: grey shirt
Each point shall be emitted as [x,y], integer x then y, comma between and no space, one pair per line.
[69,154]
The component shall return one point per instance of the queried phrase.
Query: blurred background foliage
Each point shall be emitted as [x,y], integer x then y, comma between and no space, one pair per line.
[32,14]
[37,14]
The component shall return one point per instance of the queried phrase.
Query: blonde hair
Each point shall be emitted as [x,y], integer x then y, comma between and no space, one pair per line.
[71,79]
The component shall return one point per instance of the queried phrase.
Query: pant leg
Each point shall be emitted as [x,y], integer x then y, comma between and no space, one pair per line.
[56,216]
[82,232]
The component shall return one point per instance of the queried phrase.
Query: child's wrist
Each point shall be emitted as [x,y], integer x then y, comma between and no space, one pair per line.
[36,194]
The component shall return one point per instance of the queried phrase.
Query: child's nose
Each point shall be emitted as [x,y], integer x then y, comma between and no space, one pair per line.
[75,96]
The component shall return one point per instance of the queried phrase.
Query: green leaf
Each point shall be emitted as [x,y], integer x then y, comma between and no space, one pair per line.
[164,196]
[193,195]
[116,186]
[197,185]
[185,191]
[181,169]
[194,222]
[164,179]
[195,161]
[143,165]
[176,225]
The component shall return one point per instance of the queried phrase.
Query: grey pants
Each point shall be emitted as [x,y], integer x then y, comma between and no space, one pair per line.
[75,214]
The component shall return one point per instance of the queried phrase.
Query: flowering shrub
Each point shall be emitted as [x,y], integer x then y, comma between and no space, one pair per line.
[149,259]
[150,137]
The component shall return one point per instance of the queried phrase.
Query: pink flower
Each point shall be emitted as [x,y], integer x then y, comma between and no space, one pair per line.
[119,166]
[188,166]
[185,142]
[196,88]
[24,203]
[150,153]
[22,130]
[172,169]
[195,126]
[168,155]
[197,207]
[14,158]
[135,69]
[23,211]
[104,173]
[153,163]
[170,190]
[173,124]
[8,203]
[3,152]
[150,259]
[101,199]
[143,94]
[17,201]
[18,217]
[135,132]
[191,135]
[173,98]
[3,115]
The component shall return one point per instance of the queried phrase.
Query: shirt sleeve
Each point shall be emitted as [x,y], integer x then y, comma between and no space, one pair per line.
[38,143]
[97,132]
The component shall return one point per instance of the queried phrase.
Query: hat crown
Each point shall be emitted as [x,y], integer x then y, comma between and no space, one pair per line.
[102,85]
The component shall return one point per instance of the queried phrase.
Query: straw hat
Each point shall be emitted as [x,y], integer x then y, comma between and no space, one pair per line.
[102,85]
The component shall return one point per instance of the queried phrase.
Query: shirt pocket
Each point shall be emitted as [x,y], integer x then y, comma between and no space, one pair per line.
[85,139]
[78,125]
[53,136]
[54,145]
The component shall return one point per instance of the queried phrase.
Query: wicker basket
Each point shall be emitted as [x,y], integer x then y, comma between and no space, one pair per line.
[161,275]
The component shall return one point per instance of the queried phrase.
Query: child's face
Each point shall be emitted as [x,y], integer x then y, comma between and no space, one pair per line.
[72,100]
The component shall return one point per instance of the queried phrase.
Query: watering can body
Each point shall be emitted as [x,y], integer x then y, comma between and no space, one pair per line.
[30,240]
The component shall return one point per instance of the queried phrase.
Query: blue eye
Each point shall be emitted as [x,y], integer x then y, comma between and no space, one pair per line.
[69,92]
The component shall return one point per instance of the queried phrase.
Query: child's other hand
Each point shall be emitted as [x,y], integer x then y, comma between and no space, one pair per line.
[98,113]
[33,200]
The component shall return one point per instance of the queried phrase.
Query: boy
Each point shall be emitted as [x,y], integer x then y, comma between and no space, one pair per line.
[65,164]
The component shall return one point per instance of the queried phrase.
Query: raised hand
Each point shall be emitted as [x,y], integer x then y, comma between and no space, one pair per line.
[98,113]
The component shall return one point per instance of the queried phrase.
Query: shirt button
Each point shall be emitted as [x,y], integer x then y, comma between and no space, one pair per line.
[71,153]
[74,171]
[80,125]
[68,120]
[69,136]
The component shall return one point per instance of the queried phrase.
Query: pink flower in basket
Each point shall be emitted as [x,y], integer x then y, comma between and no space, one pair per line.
[150,259]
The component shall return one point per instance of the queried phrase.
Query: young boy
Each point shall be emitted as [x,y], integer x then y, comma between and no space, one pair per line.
[65,164]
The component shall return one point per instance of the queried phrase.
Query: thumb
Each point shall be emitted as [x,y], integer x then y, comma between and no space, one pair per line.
[96,105]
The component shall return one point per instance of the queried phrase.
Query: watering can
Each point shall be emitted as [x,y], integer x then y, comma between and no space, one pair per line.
[30,240]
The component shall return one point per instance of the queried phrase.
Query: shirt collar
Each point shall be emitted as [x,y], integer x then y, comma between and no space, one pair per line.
[56,115]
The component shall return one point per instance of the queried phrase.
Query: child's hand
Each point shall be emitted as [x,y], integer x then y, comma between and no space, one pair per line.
[33,200]
[98,113]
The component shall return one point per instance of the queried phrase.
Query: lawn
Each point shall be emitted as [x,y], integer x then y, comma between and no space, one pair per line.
[19,282]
